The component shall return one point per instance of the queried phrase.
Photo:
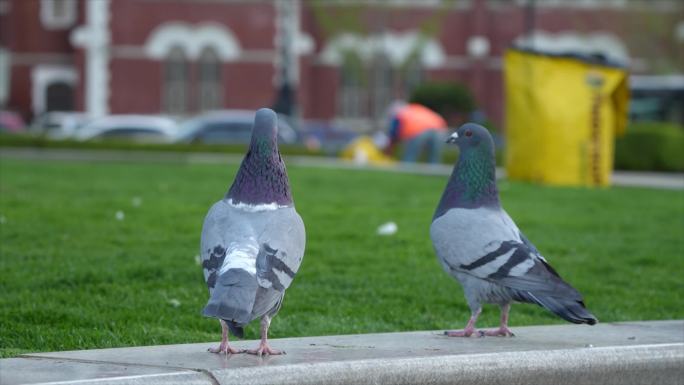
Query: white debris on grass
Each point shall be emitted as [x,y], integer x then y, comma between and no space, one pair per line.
[389,228]
[136,201]
[119,215]
[174,302]
[198,260]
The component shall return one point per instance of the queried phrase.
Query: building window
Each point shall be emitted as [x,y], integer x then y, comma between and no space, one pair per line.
[353,96]
[412,76]
[209,76]
[52,88]
[57,14]
[4,76]
[383,85]
[59,96]
[175,95]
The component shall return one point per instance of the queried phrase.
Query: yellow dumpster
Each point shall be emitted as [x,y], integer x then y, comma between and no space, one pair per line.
[562,115]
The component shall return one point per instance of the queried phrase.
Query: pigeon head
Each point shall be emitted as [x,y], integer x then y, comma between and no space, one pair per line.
[265,132]
[472,137]
[262,177]
[473,182]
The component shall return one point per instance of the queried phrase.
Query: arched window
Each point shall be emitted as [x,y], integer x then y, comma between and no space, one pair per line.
[411,75]
[353,96]
[58,14]
[175,96]
[209,78]
[59,96]
[383,85]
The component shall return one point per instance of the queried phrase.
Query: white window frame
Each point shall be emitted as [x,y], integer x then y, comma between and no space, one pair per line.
[5,77]
[175,91]
[52,21]
[209,90]
[44,75]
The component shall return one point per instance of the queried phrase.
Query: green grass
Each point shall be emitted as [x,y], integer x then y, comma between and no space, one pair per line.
[74,277]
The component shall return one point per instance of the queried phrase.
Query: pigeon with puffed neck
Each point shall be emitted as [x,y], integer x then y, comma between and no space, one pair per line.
[252,241]
[479,245]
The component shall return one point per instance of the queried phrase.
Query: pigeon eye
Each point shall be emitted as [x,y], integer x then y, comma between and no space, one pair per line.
[468,133]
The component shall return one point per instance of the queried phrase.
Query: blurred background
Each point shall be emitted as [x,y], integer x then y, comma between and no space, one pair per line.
[192,72]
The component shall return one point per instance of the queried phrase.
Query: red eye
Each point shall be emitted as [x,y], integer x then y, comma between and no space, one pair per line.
[468,133]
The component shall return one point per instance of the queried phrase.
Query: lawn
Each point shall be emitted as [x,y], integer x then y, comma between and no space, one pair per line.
[73,276]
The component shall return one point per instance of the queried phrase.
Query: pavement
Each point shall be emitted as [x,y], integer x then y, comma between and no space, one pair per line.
[659,180]
[650,352]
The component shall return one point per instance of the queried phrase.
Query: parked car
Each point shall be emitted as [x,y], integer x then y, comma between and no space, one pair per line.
[59,124]
[657,98]
[133,128]
[228,127]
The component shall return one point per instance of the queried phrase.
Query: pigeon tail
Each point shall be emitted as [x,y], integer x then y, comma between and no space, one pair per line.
[569,309]
[233,297]
[237,331]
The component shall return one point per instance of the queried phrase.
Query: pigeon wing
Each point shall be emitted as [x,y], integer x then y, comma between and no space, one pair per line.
[518,266]
[487,244]
[281,251]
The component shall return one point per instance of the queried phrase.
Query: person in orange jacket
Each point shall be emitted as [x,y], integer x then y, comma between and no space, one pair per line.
[418,127]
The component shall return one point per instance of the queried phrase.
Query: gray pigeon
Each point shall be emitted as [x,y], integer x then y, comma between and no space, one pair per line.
[478,244]
[252,241]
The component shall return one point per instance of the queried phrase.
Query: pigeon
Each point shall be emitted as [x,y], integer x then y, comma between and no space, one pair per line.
[252,241]
[479,245]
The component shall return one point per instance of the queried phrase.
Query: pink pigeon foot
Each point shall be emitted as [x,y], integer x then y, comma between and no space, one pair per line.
[467,332]
[224,348]
[502,331]
[264,349]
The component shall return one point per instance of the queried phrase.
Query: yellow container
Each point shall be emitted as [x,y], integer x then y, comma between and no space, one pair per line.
[362,150]
[562,116]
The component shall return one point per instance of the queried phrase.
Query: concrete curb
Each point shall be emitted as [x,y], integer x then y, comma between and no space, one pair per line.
[650,352]
[651,364]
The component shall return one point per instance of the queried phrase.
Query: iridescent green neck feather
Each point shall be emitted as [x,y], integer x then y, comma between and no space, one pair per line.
[472,183]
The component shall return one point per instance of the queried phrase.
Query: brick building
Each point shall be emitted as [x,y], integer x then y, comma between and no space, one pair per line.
[347,60]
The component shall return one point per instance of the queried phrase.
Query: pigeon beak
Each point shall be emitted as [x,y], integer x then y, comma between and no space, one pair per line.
[452,138]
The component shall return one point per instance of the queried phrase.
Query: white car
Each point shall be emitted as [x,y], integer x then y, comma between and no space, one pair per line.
[59,124]
[132,128]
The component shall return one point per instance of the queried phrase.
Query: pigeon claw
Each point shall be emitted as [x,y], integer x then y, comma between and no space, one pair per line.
[467,332]
[264,349]
[500,332]
[225,349]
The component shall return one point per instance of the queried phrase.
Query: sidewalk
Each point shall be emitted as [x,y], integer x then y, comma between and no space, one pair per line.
[674,181]
[650,352]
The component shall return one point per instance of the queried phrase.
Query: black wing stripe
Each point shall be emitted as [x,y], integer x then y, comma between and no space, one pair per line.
[503,249]
[519,256]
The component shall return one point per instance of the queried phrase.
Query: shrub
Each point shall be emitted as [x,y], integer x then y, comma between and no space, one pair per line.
[655,146]
[444,98]
[25,140]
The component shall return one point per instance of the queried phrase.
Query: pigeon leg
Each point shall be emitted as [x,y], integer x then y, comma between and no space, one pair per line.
[263,345]
[469,329]
[503,329]
[224,347]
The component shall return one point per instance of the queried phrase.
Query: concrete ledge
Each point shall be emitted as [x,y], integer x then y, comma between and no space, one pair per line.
[622,353]
[654,364]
